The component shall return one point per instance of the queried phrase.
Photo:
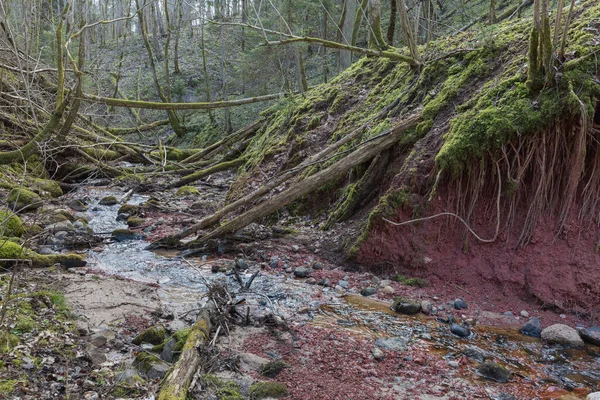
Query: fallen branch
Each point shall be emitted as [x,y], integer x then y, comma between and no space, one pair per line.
[225,165]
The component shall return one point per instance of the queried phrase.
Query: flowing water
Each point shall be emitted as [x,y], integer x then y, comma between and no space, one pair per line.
[181,283]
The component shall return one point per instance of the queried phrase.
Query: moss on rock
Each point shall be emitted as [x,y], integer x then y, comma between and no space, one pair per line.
[22,199]
[263,390]
[108,201]
[273,368]
[153,335]
[221,389]
[130,209]
[45,187]
[10,224]
[187,191]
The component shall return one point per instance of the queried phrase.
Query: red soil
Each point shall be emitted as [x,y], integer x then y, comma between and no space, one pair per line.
[560,273]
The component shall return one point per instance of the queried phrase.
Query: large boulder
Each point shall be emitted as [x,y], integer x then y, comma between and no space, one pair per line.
[21,199]
[563,335]
[10,224]
[533,327]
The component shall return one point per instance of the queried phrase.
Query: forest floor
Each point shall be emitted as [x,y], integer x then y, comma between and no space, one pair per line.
[334,329]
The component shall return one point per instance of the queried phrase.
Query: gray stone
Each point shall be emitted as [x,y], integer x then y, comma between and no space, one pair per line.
[317,265]
[426,307]
[388,290]
[533,327]
[324,282]
[98,340]
[91,395]
[96,355]
[563,335]
[509,314]
[65,226]
[344,284]
[150,366]
[295,248]
[460,304]
[167,353]
[368,291]
[129,377]
[274,262]
[524,314]
[78,225]
[77,205]
[301,272]
[475,353]
[453,364]
[591,335]
[460,330]
[406,306]
[377,354]
[395,343]
[44,250]
[593,396]
[311,281]
[240,263]
[495,372]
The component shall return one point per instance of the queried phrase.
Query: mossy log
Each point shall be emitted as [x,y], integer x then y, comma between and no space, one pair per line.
[222,166]
[176,385]
[313,182]
[141,128]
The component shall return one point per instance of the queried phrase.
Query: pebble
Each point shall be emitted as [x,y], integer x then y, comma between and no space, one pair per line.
[368,291]
[460,303]
[377,354]
[509,314]
[317,265]
[426,307]
[591,335]
[459,330]
[533,327]
[388,290]
[295,248]
[339,289]
[453,364]
[91,395]
[344,284]
[324,282]
[563,316]
[301,272]
[274,262]
[311,281]
[524,314]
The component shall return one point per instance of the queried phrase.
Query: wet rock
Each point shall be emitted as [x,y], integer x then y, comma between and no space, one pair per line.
[377,354]
[78,225]
[77,205]
[406,306]
[317,265]
[242,264]
[388,290]
[460,330]
[324,282]
[108,201]
[495,372]
[64,226]
[460,304]
[339,289]
[150,366]
[301,272]
[591,335]
[134,222]
[368,291]
[274,262]
[153,335]
[533,327]
[44,251]
[129,209]
[169,350]
[311,281]
[563,335]
[396,343]
[122,235]
[426,307]
[593,396]
[122,217]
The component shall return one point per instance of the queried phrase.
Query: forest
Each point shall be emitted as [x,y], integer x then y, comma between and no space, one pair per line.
[311,199]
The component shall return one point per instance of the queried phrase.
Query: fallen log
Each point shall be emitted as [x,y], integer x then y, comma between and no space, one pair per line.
[313,182]
[222,166]
[177,383]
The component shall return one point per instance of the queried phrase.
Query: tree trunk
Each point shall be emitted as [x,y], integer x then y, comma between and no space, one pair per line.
[376,40]
[392,25]
[407,30]
[346,29]
[360,13]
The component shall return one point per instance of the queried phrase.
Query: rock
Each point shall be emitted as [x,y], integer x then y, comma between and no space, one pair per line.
[384,283]
[187,191]
[98,340]
[311,281]
[460,304]
[250,362]
[44,251]
[533,327]
[339,289]
[295,248]
[78,225]
[301,272]
[264,390]
[377,354]
[509,314]
[475,353]
[406,306]
[453,364]
[20,199]
[524,314]
[122,235]
[108,201]
[388,290]
[168,351]
[150,366]
[273,368]
[495,372]
[368,291]
[593,396]
[324,282]
[563,335]
[395,343]
[96,355]
[134,222]
[591,335]
[91,396]
[317,265]
[77,205]
[274,262]
[242,264]
[460,330]
[64,226]
[344,284]
[426,307]
[153,335]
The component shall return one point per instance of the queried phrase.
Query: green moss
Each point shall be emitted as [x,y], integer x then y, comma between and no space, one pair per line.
[24,324]
[7,341]
[108,201]
[10,250]
[187,191]
[273,368]
[10,224]
[144,361]
[130,209]
[152,335]
[220,388]
[411,281]
[134,222]
[23,199]
[180,338]
[45,187]
[263,390]
[8,386]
